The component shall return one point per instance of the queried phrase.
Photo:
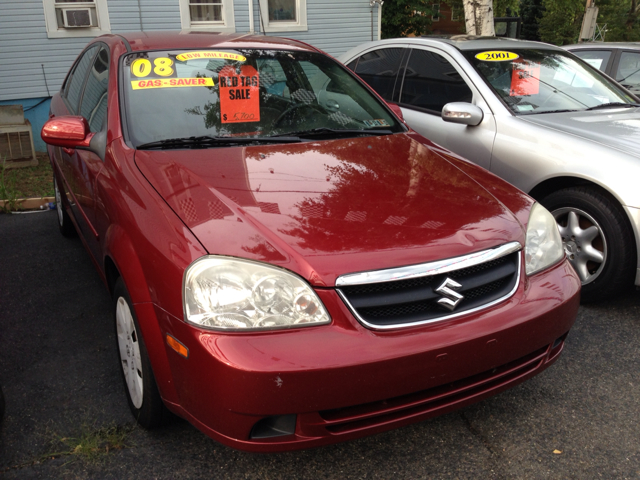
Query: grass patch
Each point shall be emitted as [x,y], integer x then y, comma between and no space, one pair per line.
[27,182]
[92,443]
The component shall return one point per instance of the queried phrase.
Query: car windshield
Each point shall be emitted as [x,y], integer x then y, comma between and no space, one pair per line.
[543,81]
[213,95]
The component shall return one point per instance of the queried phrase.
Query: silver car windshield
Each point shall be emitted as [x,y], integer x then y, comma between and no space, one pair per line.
[244,94]
[544,81]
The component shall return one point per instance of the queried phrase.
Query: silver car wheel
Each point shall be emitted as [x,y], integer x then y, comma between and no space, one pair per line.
[583,242]
[128,343]
[59,206]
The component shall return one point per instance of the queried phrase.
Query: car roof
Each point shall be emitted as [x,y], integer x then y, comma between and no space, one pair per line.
[597,45]
[468,42]
[158,40]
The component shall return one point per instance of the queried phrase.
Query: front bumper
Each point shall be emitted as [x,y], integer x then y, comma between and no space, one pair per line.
[343,381]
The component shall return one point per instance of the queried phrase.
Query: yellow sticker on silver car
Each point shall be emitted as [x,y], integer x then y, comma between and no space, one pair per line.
[496,56]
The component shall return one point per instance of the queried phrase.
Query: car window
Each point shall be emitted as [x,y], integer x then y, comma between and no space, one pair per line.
[380,68]
[430,82]
[596,58]
[78,77]
[94,97]
[249,93]
[540,80]
[628,72]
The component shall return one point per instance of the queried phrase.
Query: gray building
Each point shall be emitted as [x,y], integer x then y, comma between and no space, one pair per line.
[40,39]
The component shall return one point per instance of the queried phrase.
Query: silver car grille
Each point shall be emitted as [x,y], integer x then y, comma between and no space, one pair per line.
[431,292]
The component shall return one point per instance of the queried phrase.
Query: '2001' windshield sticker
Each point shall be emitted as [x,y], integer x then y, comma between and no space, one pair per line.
[183,57]
[496,56]
[378,122]
[525,79]
[239,94]
[171,82]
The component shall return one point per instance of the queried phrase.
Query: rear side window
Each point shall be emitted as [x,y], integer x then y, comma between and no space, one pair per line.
[94,98]
[596,58]
[77,78]
[431,81]
[380,70]
[628,73]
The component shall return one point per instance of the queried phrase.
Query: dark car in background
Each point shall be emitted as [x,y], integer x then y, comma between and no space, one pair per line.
[619,60]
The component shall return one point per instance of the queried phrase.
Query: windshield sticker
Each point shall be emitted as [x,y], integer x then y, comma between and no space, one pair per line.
[183,57]
[378,122]
[162,67]
[594,62]
[525,79]
[524,108]
[239,94]
[171,82]
[496,56]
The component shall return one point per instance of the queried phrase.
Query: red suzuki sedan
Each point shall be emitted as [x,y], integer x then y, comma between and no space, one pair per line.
[290,265]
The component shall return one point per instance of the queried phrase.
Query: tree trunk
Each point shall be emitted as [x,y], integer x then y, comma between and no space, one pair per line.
[478,17]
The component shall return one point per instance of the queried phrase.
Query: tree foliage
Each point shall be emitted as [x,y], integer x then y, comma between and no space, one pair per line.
[405,17]
[561,21]
[531,12]
[622,19]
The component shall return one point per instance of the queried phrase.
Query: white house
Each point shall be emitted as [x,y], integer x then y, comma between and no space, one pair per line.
[40,39]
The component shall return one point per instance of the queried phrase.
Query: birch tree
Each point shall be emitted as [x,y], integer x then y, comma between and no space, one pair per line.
[478,17]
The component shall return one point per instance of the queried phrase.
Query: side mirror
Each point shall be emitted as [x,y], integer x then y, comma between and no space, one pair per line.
[463,113]
[67,131]
[397,110]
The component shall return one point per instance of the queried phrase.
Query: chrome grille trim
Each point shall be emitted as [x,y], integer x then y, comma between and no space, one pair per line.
[427,269]
[435,268]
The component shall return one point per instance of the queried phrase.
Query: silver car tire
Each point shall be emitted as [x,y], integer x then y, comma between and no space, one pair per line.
[139,383]
[597,239]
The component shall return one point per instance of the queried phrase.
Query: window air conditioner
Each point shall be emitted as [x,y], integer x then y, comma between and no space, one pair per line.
[77,17]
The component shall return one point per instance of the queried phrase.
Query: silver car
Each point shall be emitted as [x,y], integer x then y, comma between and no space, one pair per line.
[538,117]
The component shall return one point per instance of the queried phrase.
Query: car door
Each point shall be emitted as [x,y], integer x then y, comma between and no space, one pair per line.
[432,79]
[80,168]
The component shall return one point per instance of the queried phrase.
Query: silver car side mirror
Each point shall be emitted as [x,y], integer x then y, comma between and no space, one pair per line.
[462,112]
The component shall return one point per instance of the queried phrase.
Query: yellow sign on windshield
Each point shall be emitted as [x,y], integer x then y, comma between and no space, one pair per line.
[183,57]
[496,56]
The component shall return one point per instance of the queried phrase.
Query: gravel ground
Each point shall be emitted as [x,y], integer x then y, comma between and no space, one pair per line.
[59,372]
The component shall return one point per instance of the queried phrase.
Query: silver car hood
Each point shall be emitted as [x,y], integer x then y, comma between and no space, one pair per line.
[617,128]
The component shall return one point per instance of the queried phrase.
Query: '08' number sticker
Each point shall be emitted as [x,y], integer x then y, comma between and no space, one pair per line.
[162,67]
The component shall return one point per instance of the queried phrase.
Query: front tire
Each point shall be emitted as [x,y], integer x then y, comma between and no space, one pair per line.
[64,222]
[597,239]
[140,385]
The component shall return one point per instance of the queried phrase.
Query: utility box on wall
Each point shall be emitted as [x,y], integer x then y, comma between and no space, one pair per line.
[16,138]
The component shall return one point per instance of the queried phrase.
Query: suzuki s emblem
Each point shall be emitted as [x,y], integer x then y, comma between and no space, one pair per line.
[450,298]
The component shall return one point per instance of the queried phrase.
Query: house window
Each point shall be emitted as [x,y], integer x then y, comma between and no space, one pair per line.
[76,18]
[284,15]
[207,15]
[435,12]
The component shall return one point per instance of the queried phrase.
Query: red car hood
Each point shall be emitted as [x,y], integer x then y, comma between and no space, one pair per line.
[327,208]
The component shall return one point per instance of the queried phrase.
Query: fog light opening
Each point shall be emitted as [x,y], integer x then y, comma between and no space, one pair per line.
[276,426]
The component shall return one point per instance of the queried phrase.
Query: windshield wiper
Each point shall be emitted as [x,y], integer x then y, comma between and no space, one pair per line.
[333,132]
[614,104]
[211,141]
[535,112]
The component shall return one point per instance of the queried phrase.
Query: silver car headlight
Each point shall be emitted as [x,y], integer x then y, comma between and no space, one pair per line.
[543,246]
[226,293]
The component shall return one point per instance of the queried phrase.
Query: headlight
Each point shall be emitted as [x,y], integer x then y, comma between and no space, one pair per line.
[232,294]
[543,246]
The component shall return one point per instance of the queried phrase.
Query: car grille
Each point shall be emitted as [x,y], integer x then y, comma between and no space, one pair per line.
[398,303]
